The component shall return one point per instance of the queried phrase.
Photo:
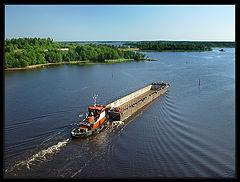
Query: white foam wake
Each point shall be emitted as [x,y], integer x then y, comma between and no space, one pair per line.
[40,156]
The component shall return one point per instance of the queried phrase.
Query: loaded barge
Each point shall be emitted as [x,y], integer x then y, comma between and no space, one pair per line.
[119,110]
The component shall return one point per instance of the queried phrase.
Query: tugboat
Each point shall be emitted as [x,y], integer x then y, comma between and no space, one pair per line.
[93,123]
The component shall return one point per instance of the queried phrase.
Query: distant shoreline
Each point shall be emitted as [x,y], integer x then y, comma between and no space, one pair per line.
[149,50]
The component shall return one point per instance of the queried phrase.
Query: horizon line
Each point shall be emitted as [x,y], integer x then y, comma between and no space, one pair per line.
[122,40]
[140,40]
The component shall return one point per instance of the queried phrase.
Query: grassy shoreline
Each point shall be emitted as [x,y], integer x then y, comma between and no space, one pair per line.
[74,62]
[47,64]
[117,60]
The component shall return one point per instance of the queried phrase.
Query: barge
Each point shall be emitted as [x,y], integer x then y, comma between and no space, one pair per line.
[119,110]
[126,106]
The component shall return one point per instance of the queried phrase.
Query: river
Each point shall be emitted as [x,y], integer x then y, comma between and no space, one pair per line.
[187,132]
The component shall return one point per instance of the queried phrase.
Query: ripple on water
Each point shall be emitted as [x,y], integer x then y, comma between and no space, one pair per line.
[170,145]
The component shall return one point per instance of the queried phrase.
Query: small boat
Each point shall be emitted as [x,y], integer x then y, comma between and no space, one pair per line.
[93,123]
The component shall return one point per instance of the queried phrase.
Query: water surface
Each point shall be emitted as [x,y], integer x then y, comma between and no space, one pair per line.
[187,132]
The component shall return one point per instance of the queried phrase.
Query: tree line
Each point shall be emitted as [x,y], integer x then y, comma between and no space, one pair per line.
[168,46]
[217,44]
[23,52]
[206,43]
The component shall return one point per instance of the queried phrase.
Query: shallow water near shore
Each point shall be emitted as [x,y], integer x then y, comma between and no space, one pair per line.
[187,132]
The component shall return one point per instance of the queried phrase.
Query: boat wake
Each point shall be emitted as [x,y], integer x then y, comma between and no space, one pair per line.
[40,157]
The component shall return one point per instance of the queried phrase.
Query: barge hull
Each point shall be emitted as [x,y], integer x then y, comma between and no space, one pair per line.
[133,102]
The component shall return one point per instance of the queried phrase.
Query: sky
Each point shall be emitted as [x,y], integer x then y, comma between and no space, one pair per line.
[121,22]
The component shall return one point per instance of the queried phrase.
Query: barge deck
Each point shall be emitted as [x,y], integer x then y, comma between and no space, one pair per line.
[126,106]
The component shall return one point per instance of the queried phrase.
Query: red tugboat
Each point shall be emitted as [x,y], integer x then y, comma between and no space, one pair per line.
[93,123]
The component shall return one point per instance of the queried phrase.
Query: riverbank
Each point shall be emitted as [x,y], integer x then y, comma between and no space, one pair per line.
[76,62]
[117,60]
[47,64]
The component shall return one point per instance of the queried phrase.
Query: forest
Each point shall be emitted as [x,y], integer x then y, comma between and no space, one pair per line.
[169,46]
[23,52]
[225,44]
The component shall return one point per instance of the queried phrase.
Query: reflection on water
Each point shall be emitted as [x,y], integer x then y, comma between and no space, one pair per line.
[187,132]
